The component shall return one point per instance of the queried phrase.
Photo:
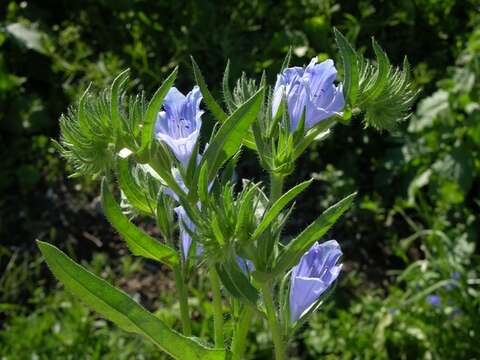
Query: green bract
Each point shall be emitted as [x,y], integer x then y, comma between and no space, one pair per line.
[383,92]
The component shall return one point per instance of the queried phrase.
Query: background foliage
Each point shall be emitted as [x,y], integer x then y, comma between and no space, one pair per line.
[411,280]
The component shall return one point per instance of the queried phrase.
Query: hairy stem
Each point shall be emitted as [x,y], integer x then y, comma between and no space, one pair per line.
[217,307]
[183,299]
[276,187]
[273,322]
[241,331]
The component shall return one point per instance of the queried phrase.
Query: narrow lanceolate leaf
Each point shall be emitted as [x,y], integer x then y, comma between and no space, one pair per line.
[153,108]
[298,246]
[116,90]
[312,134]
[246,209]
[117,306]
[207,96]
[229,137]
[227,94]
[135,195]
[272,213]
[381,75]
[237,284]
[350,68]
[203,184]
[140,243]
[286,60]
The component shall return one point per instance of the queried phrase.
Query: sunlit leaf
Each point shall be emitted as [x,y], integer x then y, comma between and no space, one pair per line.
[117,306]
[140,243]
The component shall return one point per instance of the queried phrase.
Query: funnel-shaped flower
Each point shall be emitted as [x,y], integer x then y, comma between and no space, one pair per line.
[315,272]
[185,222]
[178,125]
[310,90]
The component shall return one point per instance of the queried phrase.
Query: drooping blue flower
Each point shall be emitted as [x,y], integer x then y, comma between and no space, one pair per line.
[315,272]
[310,90]
[184,221]
[178,124]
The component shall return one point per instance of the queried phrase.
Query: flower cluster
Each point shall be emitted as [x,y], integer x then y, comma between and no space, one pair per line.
[232,228]
[308,91]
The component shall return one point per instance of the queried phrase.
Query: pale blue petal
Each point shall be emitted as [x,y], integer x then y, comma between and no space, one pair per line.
[178,125]
[315,273]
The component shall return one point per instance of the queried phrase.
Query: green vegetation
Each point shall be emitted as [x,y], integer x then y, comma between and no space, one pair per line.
[410,289]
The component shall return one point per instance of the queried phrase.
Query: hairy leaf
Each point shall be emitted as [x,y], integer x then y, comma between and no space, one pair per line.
[350,67]
[272,213]
[140,243]
[229,137]
[118,307]
[153,108]
[212,105]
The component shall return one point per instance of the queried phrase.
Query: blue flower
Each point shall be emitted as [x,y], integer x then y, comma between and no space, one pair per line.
[310,90]
[178,125]
[434,300]
[314,274]
[245,265]
[184,223]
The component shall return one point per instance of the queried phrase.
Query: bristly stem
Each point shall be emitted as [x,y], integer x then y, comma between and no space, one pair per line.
[183,299]
[241,331]
[276,190]
[217,307]
[273,322]
[276,187]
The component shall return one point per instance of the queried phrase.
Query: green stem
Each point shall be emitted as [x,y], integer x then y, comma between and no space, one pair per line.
[183,299]
[217,307]
[240,337]
[276,187]
[273,323]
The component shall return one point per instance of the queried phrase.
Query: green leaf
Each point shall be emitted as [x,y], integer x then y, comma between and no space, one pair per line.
[237,283]
[212,105]
[115,92]
[286,60]
[381,77]
[245,211]
[83,122]
[350,67]
[117,306]
[153,108]
[312,134]
[140,243]
[298,246]
[203,184]
[229,137]
[227,94]
[272,213]
[227,282]
[135,194]
[216,229]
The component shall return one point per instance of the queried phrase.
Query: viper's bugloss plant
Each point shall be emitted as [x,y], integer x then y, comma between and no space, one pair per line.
[152,153]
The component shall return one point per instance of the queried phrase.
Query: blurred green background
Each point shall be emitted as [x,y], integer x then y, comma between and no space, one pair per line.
[410,286]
